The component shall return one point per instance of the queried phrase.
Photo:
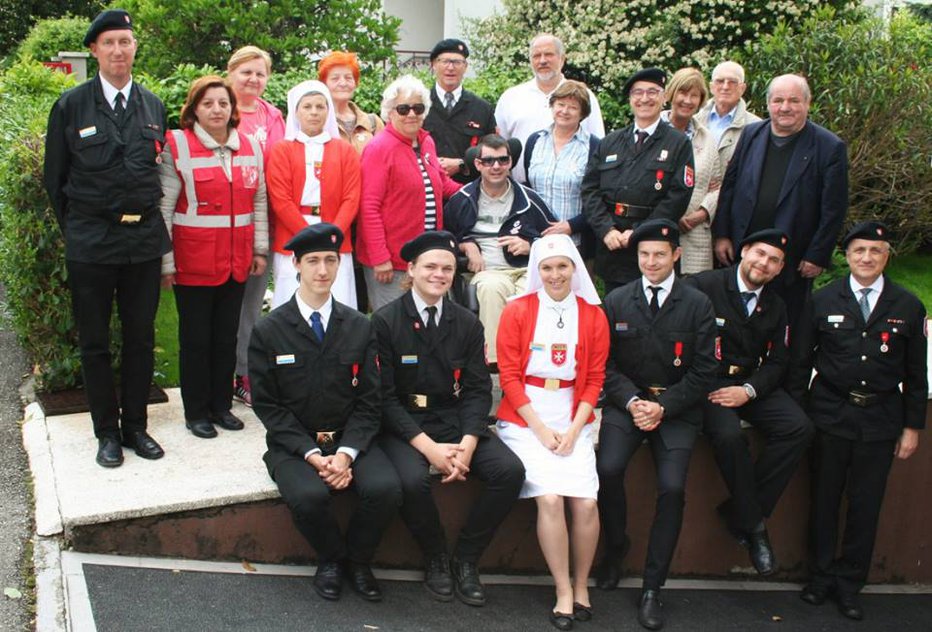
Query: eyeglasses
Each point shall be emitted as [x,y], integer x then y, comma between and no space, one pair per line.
[404,108]
[650,93]
[488,161]
[725,81]
[455,63]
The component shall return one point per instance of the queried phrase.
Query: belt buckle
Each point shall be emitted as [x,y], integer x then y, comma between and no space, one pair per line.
[656,390]
[418,400]
[733,370]
[315,210]
[621,209]
[858,398]
[130,218]
[551,384]
[325,440]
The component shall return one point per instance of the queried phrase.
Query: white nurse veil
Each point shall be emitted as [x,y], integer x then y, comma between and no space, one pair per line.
[554,246]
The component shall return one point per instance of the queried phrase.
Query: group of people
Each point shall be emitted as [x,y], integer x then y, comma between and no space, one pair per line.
[364,212]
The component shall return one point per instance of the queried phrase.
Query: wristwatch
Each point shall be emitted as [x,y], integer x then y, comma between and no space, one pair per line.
[752,394]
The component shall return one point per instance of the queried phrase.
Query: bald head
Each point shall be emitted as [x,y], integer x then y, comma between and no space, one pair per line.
[727,86]
[547,57]
[788,98]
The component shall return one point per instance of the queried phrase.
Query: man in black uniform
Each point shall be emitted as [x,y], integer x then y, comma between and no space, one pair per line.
[436,394]
[661,366]
[751,349]
[316,388]
[865,336]
[458,118]
[642,171]
[101,173]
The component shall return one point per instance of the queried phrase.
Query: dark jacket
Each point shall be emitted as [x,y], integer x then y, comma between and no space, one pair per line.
[412,363]
[528,218]
[301,387]
[472,118]
[99,167]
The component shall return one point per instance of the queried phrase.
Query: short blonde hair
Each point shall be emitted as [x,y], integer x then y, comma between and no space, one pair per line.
[686,79]
[247,53]
[405,84]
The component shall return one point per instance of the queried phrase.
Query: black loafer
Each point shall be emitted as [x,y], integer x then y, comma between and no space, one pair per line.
[561,620]
[437,578]
[850,606]
[201,428]
[466,584]
[761,553]
[609,571]
[650,610]
[814,594]
[363,581]
[581,612]
[227,421]
[328,582]
[109,452]
[144,445]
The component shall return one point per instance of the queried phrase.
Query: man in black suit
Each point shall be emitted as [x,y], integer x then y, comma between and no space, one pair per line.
[751,349]
[436,396]
[787,173]
[661,366]
[315,381]
[866,338]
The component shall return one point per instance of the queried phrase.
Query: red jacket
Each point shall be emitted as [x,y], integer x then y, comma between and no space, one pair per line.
[515,331]
[392,208]
[213,240]
[339,189]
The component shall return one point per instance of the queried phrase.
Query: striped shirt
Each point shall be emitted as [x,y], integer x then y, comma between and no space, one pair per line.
[430,203]
[558,178]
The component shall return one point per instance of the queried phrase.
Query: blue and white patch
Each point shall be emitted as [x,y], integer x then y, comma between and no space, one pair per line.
[720,322]
[409,359]
[621,326]
[286,358]
[836,318]
[87,131]
[536,346]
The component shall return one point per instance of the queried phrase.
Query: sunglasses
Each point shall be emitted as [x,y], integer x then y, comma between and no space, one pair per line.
[488,161]
[404,108]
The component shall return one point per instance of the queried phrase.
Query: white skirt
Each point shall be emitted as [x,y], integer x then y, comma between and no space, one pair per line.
[573,475]
[286,281]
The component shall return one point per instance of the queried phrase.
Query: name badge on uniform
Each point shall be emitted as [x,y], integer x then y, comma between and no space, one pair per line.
[611,158]
[409,359]
[87,131]
[287,358]
[621,326]
[536,346]
[719,322]
[836,318]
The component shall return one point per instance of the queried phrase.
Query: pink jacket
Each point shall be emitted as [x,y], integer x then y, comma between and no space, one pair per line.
[391,210]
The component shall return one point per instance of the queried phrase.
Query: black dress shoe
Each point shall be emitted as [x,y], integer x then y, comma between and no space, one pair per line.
[201,428]
[761,553]
[466,584]
[724,512]
[227,421]
[363,581]
[561,620]
[437,578]
[328,582]
[650,611]
[581,612]
[609,572]
[850,606]
[814,594]
[109,452]
[144,445]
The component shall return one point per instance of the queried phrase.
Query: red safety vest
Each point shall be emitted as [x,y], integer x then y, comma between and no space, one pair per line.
[212,229]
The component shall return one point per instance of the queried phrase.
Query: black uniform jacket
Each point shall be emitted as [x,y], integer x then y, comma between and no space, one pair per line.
[617,176]
[99,167]
[847,355]
[414,364]
[757,342]
[471,118]
[301,387]
[644,354]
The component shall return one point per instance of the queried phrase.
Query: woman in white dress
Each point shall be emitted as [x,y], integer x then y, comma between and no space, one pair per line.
[552,347]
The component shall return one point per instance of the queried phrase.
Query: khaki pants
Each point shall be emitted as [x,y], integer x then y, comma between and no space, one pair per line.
[493,288]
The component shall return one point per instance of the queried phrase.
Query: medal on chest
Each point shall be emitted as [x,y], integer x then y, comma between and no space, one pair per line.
[558,354]
[884,339]
[678,352]
[718,348]
[659,183]
[456,382]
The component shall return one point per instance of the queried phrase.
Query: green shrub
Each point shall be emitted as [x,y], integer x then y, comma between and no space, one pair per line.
[17,17]
[49,37]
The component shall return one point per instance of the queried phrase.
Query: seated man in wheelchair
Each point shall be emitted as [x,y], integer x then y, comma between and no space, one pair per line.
[495,219]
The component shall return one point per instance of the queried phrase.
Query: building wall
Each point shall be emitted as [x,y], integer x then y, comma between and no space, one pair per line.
[422,23]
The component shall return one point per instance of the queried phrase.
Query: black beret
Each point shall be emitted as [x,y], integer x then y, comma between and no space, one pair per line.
[109,20]
[429,240]
[653,75]
[449,46]
[315,238]
[655,230]
[872,230]
[771,236]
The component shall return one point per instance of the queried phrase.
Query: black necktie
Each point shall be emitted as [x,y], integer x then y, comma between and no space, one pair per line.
[119,108]
[654,302]
[746,297]
[448,102]
[431,319]
[639,143]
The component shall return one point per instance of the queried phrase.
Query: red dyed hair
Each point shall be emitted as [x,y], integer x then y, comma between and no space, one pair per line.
[337,58]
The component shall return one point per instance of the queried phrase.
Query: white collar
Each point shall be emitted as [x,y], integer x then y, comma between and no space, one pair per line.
[856,287]
[457,93]
[110,91]
[306,310]
[421,305]
[742,286]
[649,129]
[320,139]
[666,286]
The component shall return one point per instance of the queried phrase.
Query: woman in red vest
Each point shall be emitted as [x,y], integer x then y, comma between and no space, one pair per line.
[214,206]
[313,178]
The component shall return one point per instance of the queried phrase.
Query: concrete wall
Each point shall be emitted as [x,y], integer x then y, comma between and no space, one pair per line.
[422,22]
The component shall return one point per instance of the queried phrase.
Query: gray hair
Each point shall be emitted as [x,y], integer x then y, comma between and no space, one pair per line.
[404,85]
[557,42]
[729,65]
[798,79]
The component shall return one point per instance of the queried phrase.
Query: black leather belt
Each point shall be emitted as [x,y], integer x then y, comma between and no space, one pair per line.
[861,399]
[422,401]
[734,370]
[631,211]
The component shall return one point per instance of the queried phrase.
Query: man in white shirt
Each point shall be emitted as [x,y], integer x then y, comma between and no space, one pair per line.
[726,113]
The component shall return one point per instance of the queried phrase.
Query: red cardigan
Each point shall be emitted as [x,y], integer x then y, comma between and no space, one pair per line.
[515,330]
[339,189]
[392,208]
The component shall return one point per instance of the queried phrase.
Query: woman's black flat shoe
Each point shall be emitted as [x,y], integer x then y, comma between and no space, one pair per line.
[581,612]
[561,621]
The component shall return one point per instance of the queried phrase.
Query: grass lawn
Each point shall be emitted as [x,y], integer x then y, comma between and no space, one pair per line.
[166,341]
[914,272]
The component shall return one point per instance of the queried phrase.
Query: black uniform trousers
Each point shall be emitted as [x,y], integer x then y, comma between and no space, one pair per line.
[492,463]
[756,487]
[310,501]
[863,467]
[136,288]
[208,320]
[616,447]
